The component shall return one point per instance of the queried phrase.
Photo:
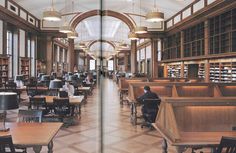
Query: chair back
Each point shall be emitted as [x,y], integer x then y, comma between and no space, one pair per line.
[30,116]
[61,106]
[227,145]
[10,86]
[38,103]
[31,88]
[63,94]
[6,144]
[151,109]
[151,104]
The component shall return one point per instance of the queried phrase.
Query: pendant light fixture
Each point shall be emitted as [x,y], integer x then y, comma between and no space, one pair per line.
[66,28]
[155,15]
[132,35]
[52,14]
[122,45]
[140,29]
[73,34]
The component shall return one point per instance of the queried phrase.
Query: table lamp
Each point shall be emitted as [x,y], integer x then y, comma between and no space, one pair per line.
[8,101]
[45,78]
[19,78]
[55,84]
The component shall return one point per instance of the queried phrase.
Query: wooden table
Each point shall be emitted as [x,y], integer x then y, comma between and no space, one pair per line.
[85,90]
[33,135]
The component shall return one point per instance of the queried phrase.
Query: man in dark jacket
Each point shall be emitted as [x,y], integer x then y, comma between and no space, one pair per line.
[148,95]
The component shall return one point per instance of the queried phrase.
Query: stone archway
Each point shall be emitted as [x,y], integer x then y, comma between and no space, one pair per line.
[123,17]
[104,41]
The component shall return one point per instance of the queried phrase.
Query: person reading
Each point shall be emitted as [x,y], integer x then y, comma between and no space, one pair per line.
[149,108]
[68,88]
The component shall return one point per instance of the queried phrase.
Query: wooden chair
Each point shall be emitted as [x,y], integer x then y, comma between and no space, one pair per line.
[63,94]
[6,145]
[62,108]
[30,116]
[39,103]
[31,87]
[227,145]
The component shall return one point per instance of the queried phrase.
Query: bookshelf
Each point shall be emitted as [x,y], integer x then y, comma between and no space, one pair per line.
[194,40]
[201,70]
[4,62]
[214,72]
[223,72]
[174,71]
[25,67]
[223,33]
[172,47]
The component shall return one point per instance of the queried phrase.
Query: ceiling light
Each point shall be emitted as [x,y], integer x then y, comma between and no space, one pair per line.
[72,35]
[140,30]
[133,36]
[65,29]
[52,14]
[155,17]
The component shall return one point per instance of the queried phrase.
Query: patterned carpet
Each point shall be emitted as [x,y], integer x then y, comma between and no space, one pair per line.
[117,135]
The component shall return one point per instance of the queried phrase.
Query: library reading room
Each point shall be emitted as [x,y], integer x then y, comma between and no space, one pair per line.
[118,76]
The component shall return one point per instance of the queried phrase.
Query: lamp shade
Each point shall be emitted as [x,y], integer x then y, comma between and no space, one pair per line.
[72,77]
[40,75]
[52,15]
[55,84]
[155,17]
[140,30]
[8,100]
[19,78]
[45,78]
[65,29]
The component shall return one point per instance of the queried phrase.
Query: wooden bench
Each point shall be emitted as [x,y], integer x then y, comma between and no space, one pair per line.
[176,89]
[124,84]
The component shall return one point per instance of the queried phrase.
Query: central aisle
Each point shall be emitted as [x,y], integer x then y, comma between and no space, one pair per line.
[117,133]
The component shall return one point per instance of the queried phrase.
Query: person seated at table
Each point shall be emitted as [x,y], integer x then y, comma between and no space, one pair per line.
[19,81]
[89,79]
[148,94]
[68,88]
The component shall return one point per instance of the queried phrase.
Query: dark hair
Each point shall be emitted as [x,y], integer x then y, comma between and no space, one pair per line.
[147,88]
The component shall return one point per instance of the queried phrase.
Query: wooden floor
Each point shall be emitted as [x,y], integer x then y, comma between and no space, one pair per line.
[117,135]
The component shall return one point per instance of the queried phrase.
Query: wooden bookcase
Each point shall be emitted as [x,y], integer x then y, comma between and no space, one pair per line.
[223,33]
[4,62]
[174,71]
[25,67]
[194,40]
[172,47]
[223,72]
[201,70]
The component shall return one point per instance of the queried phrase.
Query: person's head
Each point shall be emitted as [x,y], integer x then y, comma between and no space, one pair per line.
[146,89]
[67,83]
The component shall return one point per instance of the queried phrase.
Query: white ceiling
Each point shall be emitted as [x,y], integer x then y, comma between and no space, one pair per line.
[112,28]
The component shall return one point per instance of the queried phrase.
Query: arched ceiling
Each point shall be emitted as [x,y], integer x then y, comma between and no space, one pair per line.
[169,7]
[112,29]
